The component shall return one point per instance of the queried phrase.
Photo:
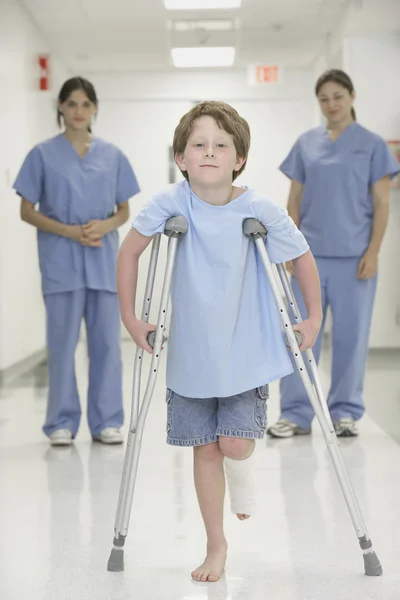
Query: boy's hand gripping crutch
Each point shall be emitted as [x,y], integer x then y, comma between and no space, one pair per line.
[257,232]
[174,229]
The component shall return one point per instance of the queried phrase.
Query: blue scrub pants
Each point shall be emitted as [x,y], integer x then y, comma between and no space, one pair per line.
[65,312]
[351,301]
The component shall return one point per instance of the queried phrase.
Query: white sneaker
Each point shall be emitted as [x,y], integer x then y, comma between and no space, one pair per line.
[61,437]
[346,427]
[285,429]
[109,435]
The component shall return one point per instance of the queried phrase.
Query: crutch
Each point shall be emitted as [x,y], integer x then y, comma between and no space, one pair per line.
[257,232]
[174,229]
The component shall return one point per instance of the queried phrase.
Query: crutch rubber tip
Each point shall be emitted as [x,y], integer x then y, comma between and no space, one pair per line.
[116,560]
[372,565]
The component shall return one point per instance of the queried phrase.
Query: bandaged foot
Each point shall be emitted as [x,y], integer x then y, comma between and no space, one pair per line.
[241,482]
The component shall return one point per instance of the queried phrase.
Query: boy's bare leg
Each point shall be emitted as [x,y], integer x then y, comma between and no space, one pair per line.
[210,487]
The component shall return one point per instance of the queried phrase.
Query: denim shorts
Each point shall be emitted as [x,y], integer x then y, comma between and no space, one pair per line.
[198,421]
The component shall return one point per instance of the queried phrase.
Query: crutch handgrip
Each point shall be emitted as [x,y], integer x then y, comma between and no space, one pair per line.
[299,337]
[151,338]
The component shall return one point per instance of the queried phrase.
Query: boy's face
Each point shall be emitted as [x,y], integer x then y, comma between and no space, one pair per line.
[210,154]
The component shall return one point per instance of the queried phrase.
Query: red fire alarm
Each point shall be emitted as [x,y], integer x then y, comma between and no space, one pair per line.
[43,60]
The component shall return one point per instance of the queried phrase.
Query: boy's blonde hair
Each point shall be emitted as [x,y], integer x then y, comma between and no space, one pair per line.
[226,117]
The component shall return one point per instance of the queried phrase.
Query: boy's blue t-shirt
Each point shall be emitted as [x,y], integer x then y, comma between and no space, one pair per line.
[225,335]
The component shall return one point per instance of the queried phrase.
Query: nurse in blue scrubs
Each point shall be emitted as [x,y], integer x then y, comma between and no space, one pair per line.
[339,198]
[81,185]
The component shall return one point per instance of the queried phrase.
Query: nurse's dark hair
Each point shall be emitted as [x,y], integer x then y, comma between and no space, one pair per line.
[339,77]
[72,85]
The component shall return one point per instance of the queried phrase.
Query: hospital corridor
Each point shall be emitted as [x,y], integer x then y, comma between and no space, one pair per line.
[199,300]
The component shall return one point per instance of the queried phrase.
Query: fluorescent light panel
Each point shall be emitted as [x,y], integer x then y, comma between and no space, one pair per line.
[203,57]
[203,25]
[201,4]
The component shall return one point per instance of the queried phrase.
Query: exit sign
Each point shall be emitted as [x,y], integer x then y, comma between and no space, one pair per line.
[264,74]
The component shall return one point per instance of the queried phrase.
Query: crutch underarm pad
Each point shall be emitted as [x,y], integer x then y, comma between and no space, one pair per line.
[176,225]
[252,226]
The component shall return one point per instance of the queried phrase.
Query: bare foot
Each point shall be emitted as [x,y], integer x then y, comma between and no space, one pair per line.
[243,517]
[213,566]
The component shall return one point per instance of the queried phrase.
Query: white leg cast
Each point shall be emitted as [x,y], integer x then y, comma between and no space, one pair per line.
[241,481]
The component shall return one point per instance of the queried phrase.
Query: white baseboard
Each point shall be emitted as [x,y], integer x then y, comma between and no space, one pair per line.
[21,367]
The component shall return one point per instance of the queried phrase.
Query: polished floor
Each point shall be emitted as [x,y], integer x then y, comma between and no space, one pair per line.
[57,508]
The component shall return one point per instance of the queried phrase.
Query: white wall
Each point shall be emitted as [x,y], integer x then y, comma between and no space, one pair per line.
[198,85]
[276,114]
[377,104]
[330,57]
[27,116]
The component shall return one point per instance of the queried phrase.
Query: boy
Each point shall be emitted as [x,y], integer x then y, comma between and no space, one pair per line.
[225,342]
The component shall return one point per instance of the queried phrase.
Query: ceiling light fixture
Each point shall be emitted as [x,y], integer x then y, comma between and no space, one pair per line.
[203,57]
[202,24]
[201,4]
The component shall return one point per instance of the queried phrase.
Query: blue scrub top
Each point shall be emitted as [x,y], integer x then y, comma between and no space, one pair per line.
[75,190]
[336,212]
[225,336]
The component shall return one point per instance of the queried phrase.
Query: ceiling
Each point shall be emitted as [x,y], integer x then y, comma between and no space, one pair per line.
[126,35]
